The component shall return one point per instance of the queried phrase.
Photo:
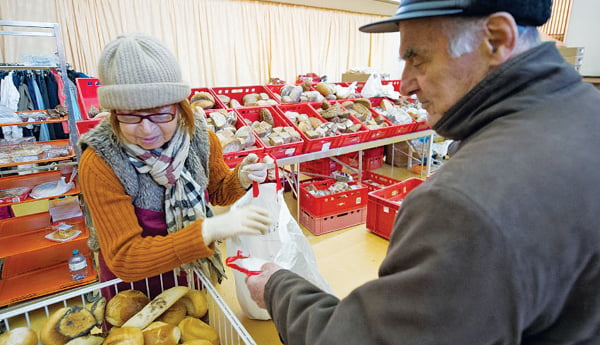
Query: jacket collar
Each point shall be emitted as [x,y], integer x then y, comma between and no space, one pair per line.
[514,86]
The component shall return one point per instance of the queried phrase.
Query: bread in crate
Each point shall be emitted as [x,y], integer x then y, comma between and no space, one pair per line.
[351,130]
[318,135]
[329,196]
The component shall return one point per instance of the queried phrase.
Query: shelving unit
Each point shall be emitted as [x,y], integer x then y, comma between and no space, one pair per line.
[30,264]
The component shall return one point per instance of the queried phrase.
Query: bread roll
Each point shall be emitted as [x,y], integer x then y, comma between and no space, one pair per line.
[86,340]
[76,322]
[124,336]
[156,307]
[124,305]
[161,333]
[48,334]
[192,328]
[174,314]
[195,303]
[97,308]
[19,336]
[198,342]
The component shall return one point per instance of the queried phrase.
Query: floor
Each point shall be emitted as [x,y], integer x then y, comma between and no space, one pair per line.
[346,258]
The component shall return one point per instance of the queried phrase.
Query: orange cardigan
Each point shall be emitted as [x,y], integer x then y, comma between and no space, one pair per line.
[130,256]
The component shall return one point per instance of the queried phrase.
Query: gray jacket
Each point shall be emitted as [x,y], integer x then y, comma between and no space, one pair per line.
[501,246]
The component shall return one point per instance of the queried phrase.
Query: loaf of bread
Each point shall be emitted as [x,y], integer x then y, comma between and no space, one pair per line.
[124,336]
[161,333]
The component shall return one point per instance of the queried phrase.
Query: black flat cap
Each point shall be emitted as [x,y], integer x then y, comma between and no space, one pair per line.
[525,12]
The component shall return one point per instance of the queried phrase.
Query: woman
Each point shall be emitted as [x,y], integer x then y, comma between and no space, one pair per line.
[149,171]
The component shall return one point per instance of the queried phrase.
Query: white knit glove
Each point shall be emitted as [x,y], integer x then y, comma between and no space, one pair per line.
[252,171]
[247,220]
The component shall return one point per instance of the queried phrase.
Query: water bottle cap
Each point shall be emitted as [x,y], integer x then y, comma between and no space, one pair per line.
[75,251]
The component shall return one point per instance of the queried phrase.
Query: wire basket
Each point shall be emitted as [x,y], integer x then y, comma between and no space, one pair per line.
[31,314]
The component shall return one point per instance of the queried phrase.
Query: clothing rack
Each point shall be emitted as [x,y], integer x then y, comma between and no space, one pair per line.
[52,30]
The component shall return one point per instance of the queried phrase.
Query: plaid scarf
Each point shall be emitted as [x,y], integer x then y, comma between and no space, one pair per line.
[185,202]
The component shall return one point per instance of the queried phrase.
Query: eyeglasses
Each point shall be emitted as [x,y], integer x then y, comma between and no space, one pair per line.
[160,117]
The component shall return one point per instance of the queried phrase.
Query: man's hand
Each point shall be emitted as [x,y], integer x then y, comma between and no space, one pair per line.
[256,284]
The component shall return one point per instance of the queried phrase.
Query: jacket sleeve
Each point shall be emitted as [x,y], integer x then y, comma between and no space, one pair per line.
[130,256]
[447,279]
[224,187]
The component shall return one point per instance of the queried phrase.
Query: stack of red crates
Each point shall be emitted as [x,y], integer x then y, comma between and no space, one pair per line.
[323,214]
[383,205]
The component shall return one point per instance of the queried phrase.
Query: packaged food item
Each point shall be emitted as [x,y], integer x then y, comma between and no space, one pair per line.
[63,232]
[11,195]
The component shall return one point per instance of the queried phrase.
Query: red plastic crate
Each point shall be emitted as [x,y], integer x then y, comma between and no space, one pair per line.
[380,133]
[346,139]
[372,158]
[85,125]
[338,221]
[374,181]
[323,166]
[238,92]
[383,205]
[87,95]
[394,129]
[218,103]
[310,145]
[252,114]
[234,158]
[335,203]
[395,83]
[420,126]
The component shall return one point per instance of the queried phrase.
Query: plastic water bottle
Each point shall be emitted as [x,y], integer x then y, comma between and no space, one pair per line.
[78,265]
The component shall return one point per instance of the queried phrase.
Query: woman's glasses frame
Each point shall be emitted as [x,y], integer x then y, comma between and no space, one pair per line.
[163,116]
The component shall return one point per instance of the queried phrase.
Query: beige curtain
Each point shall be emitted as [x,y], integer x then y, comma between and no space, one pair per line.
[217,42]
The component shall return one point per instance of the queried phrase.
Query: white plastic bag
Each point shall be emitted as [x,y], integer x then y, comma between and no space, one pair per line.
[284,244]
[374,88]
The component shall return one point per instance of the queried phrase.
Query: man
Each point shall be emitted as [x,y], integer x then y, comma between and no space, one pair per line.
[501,246]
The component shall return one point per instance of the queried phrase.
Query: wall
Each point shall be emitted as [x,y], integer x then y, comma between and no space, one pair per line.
[584,26]
[379,7]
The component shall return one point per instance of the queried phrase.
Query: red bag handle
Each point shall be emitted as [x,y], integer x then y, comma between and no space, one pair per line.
[229,261]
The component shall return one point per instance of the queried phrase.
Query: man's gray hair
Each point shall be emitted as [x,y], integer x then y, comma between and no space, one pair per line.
[465,33]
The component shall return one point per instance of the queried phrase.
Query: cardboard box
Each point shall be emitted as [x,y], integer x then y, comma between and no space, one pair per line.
[351,76]
[571,51]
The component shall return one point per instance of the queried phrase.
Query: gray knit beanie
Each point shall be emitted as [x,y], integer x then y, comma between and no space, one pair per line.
[138,72]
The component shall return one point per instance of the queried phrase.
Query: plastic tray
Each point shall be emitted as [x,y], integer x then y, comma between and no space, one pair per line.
[322,166]
[238,92]
[383,205]
[87,95]
[342,220]
[374,181]
[372,158]
[221,317]
[218,103]
[335,203]
[310,145]
[234,158]
[345,139]
[251,114]
[85,125]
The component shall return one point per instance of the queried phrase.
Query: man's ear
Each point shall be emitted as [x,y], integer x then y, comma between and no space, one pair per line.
[501,37]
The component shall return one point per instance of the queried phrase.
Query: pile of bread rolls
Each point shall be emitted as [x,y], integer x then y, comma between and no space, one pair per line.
[334,91]
[222,122]
[299,93]
[271,134]
[339,116]
[401,111]
[311,126]
[361,109]
[173,317]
